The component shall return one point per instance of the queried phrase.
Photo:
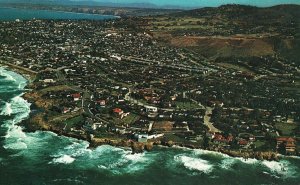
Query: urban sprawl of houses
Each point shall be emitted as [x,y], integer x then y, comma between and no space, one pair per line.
[106,82]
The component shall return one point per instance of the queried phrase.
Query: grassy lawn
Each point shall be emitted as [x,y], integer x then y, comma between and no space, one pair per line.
[259,144]
[131,118]
[174,138]
[70,122]
[287,129]
[55,88]
[65,117]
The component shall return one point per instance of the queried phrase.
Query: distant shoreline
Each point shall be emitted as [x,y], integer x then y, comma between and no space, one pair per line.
[97,17]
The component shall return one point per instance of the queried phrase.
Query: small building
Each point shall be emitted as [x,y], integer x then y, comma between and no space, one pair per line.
[76,96]
[145,137]
[286,145]
[101,102]
[220,139]
[118,111]
[151,109]
[49,80]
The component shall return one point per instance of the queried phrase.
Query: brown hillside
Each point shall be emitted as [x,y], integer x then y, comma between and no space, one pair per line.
[225,46]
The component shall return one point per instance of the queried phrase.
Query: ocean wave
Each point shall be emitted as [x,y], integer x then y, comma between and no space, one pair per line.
[283,168]
[121,161]
[78,149]
[193,163]
[7,74]
[22,85]
[6,110]
[115,160]
[15,138]
[211,153]
[69,180]
[16,146]
[20,105]
[64,159]
[227,163]
[247,161]
[135,157]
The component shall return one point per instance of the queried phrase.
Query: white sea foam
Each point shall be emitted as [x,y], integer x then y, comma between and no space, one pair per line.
[194,163]
[7,111]
[227,163]
[7,74]
[9,78]
[16,146]
[16,132]
[15,137]
[135,157]
[107,149]
[283,168]
[138,162]
[69,180]
[120,161]
[248,161]
[65,159]
[19,105]
[207,152]
[21,85]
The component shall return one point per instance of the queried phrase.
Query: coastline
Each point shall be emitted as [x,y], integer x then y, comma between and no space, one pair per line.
[136,147]
[64,12]
[29,75]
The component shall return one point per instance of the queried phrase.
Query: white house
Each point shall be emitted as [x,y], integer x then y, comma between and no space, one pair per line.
[151,109]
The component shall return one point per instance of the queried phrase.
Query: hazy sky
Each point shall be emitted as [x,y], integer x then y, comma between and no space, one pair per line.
[197,3]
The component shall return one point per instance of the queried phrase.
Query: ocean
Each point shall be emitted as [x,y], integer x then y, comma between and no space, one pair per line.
[11,14]
[44,158]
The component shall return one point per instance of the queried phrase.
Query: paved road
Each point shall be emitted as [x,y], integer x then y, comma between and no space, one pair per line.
[207,122]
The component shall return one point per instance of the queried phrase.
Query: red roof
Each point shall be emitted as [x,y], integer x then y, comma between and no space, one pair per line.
[77,95]
[243,142]
[221,138]
[117,110]
[285,139]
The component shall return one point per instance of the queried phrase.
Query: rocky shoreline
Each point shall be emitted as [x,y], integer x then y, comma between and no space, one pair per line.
[138,147]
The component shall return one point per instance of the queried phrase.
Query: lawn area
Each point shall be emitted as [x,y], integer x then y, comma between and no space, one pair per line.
[65,117]
[54,88]
[131,118]
[174,138]
[259,144]
[70,122]
[287,129]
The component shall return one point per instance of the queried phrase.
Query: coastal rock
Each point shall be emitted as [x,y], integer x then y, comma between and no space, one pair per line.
[170,143]
[149,146]
[270,156]
[137,147]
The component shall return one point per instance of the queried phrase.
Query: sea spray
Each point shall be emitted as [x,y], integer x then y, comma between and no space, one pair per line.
[64,159]
[6,110]
[194,163]
[9,76]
